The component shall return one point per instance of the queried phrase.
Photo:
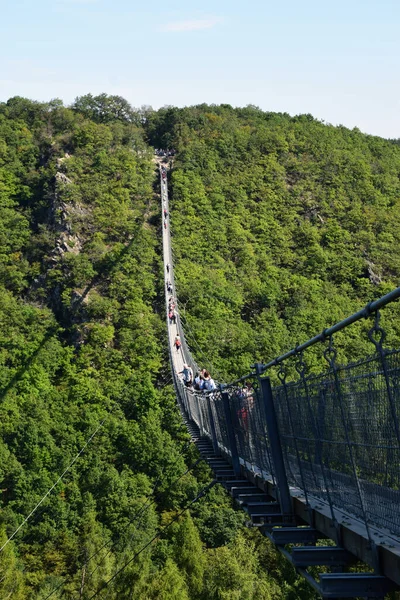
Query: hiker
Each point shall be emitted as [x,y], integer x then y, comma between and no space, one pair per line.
[209,383]
[200,380]
[245,396]
[187,375]
[172,317]
[167,267]
[197,381]
[177,342]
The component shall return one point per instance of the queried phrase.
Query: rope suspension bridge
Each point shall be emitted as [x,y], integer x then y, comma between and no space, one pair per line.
[314,462]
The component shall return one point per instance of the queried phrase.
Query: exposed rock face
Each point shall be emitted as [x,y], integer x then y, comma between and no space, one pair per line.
[62,178]
[64,215]
[374,278]
[65,219]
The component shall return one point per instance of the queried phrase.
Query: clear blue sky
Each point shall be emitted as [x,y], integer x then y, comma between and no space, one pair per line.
[339,61]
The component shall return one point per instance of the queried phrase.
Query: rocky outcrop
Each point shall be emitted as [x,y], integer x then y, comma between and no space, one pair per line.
[374,277]
[65,220]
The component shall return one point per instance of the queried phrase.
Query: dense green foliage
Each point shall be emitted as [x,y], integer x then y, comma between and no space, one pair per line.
[83,352]
[282,226]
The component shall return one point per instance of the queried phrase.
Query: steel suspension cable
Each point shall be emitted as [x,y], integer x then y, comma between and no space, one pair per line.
[73,461]
[155,537]
[139,514]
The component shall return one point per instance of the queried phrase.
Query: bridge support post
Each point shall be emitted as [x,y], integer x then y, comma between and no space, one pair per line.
[200,415]
[182,399]
[212,426]
[187,402]
[275,443]
[231,433]
[187,405]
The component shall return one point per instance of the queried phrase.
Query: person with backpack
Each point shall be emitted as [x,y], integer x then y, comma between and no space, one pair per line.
[197,382]
[177,342]
[187,374]
[209,383]
[246,399]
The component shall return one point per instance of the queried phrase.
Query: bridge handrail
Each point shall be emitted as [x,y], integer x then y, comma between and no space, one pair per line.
[338,431]
[368,310]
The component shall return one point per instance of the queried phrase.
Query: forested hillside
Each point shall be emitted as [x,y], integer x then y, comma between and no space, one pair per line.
[281,226]
[83,355]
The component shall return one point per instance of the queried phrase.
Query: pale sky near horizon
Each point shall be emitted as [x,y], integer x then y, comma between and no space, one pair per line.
[338,61]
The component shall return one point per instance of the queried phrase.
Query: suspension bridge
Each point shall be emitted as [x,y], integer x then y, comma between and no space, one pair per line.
[315,461]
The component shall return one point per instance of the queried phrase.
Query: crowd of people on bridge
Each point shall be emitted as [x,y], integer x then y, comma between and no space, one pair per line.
[202,380]
[164,153]
[163,172]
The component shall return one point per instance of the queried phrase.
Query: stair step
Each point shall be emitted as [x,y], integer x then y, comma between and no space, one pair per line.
[236,490]
[256,497]
[269,517]
[295,535]
[223,474]
[307,556]
[263,507]
[345,585]
[237,482]
[220,468]
[270,527]
[224,468]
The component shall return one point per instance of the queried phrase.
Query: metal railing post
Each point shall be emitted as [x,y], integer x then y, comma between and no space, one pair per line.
[185,403]
[231,433]
[212,426]
[189,408]
[200,413]
[275,443]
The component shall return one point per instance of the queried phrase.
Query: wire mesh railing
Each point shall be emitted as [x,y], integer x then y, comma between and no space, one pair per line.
[338,431]
[340,437]
[334,436]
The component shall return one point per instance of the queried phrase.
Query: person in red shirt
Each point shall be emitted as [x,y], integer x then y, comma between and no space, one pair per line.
[177,343]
